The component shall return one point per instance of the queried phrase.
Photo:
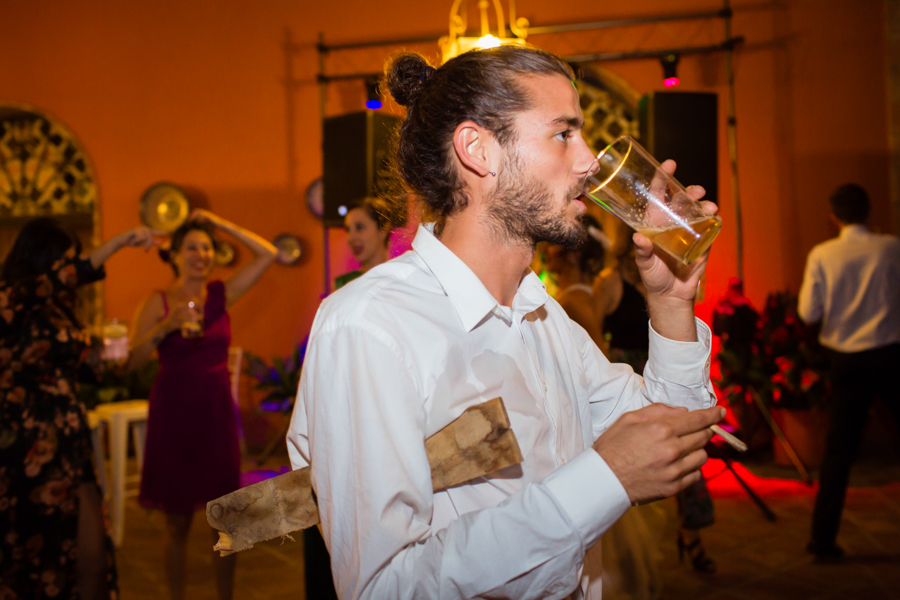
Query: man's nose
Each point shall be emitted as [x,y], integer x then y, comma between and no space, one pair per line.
[587,161]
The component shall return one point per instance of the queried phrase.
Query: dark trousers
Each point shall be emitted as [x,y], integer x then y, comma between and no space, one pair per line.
[856,380]
[695,506]
[317,563]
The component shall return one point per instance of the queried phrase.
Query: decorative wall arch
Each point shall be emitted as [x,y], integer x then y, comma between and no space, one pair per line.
[46,172]
[609,105]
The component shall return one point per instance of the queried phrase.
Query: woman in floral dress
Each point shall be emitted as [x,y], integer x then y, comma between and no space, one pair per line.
[53,540]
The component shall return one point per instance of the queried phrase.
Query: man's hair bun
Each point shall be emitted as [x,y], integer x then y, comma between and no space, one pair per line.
[405,75]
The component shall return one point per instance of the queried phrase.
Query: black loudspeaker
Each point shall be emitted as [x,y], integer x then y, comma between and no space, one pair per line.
[355,150]
[683,126]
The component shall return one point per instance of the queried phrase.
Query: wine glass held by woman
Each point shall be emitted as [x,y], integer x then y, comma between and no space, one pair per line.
[53,541]
[192,454]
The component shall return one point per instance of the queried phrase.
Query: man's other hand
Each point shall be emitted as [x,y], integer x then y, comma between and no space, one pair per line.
[657,451]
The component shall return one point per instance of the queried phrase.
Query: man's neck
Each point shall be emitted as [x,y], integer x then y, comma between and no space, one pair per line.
[847,227]
[499,264]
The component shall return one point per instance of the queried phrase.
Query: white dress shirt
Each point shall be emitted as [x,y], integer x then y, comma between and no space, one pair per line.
[852,284]
[401,352]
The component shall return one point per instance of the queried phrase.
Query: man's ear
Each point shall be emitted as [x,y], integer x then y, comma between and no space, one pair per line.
[473,145]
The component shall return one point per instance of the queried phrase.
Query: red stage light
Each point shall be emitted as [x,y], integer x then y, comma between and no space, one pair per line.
[723,484]
[670,69]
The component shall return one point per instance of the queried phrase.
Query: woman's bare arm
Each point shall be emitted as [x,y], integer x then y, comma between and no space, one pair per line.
[150,326]
[238,284]
[137,237]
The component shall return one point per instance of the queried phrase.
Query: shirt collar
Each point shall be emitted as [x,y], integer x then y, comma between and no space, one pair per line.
[853,230]
[473,302]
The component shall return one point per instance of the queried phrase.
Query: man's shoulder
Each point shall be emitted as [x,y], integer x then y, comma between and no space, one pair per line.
[836,244]
[888,240]
[825,247]
[383,293]
[890,249]
[886,245]
[872,248]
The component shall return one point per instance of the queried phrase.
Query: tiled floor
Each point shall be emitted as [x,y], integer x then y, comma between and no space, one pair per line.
[271,570]
[757,559]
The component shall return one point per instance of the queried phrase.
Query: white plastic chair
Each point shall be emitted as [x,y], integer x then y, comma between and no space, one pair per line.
[118,417]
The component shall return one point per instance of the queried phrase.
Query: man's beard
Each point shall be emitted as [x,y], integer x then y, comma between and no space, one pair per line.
[520,210]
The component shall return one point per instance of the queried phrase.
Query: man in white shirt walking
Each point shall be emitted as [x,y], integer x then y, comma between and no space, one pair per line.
[492,143]
[851,285]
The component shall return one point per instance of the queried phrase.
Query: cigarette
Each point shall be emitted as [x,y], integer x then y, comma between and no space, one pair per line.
[732,441]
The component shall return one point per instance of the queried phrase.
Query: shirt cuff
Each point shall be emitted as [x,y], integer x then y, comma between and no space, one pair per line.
[686,363]
[86,271]
[590,493]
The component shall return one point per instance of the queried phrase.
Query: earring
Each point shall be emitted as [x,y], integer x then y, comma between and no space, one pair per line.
[492,173]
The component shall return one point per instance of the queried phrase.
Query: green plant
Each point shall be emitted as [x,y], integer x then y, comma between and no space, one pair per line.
[279,380]
[785,365]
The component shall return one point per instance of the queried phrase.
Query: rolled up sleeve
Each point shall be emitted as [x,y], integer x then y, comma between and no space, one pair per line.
[677,373]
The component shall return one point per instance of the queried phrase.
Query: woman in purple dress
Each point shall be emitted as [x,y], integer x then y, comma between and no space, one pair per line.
[192,454]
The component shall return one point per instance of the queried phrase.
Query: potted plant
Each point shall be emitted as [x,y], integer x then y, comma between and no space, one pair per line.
[786,369]
[279,381]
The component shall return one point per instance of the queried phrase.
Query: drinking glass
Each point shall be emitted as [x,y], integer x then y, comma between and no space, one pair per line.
[115,341]
[628,182]
[194,327]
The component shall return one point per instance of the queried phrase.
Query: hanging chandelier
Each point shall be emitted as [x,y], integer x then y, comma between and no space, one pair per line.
[457,43]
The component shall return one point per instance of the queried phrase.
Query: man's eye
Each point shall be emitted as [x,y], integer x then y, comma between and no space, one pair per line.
[563,135]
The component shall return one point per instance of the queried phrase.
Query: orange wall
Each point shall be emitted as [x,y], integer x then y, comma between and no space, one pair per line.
[193,92]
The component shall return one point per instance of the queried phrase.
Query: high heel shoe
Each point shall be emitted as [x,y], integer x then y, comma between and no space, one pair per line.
[697,555]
